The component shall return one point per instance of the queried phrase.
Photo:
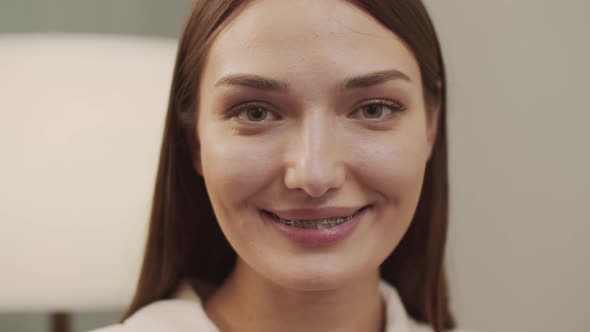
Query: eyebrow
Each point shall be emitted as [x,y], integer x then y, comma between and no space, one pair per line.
[269,84]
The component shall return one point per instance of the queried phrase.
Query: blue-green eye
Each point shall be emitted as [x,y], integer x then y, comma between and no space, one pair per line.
[380,110]
[373,111]
[253,113]
[256,114]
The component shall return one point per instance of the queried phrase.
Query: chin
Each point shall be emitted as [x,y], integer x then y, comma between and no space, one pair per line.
[314,281]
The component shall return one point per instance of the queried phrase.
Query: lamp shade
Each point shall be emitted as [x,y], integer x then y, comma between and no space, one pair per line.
[81,122]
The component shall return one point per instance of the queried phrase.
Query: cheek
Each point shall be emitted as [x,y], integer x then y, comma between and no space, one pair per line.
[393,169]
[235,169]
[393,165]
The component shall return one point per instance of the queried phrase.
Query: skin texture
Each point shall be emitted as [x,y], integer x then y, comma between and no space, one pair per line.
[316,146]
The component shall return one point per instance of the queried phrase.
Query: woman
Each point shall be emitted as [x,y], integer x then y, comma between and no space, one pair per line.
[302,183]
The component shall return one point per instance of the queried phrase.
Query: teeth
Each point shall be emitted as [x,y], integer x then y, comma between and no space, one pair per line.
[315,224]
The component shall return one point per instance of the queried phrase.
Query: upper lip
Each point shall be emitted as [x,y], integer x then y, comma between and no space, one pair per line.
[317,213]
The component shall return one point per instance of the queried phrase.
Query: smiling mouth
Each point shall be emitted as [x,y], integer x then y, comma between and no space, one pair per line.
[325,223]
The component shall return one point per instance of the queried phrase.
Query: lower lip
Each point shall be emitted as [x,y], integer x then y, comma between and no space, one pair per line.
[317,237]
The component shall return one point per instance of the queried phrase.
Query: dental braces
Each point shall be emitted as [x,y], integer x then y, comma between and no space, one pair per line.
[327,223]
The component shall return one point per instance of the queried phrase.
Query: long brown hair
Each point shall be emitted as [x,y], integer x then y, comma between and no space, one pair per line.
[184,239]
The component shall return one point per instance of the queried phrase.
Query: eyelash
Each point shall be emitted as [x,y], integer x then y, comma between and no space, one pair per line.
[393,106]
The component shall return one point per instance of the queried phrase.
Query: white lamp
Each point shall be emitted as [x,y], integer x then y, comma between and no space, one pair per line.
[81,120]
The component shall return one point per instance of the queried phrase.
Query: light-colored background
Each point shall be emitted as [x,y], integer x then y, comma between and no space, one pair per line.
[519,156]
[519,161]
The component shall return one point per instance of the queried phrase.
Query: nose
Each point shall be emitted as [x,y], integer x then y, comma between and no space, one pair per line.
[315,159]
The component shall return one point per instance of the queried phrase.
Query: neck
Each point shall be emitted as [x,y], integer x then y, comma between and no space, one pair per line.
[248,302]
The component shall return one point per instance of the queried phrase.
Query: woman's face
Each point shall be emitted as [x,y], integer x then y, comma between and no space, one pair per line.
[312,104]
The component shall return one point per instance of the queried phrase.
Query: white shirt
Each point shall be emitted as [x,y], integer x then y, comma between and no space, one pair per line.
[185,313]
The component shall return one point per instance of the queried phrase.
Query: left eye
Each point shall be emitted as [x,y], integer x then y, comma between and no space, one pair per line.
[256,114]
[379,110]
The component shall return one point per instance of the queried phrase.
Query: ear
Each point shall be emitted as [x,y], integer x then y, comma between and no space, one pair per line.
[433,114]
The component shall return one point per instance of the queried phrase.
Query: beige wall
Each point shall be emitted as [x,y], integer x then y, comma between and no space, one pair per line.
[519,162]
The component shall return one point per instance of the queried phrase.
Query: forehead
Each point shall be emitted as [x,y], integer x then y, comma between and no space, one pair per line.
[306,38]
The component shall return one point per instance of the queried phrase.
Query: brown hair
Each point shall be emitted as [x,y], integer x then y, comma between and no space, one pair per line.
[184,239]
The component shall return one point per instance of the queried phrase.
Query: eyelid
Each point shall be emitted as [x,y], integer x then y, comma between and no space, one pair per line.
[387,102]
[395,107]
